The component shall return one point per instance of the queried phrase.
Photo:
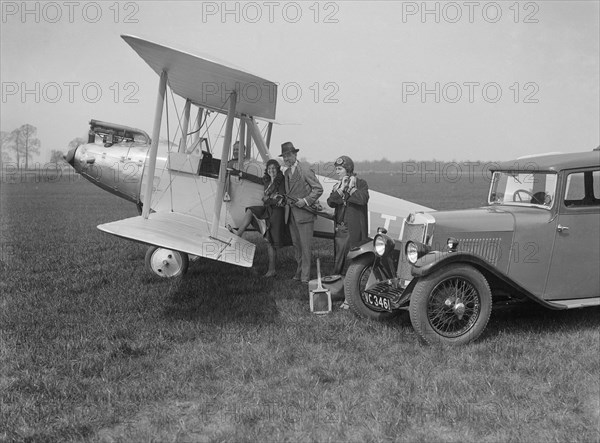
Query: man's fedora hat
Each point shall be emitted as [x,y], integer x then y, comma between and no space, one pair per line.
[288,147]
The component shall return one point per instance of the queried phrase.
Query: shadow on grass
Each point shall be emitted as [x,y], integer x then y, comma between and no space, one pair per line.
[532,318]
[219,294]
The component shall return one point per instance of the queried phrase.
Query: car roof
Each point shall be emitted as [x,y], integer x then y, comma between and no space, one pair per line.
[550,162]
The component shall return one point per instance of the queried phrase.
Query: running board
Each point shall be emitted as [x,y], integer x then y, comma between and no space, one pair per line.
[575,303]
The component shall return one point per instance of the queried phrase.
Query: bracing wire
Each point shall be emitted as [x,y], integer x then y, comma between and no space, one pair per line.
[166,104]
[202,123]
[179,128]
[169,150]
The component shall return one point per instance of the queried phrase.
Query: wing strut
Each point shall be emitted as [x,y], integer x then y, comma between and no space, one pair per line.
[257,137]
[223,168]
[160,102]
[184,126]
[269,131]
[242,139]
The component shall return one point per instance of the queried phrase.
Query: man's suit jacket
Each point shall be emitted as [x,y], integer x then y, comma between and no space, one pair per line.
[303,183]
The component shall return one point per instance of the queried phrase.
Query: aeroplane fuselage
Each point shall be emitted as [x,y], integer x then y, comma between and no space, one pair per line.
[190,180]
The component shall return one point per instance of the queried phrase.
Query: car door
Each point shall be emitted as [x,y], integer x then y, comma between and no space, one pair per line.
[575,261]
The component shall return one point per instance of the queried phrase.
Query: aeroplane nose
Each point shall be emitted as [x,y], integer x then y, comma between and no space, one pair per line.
[70,157]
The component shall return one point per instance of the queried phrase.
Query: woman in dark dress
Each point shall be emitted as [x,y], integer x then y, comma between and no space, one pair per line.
[272,211]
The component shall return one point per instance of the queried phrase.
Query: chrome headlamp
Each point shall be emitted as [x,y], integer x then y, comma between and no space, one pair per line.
[415,251]
[382,245]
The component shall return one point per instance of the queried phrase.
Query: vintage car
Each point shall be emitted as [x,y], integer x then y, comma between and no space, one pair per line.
[537,239]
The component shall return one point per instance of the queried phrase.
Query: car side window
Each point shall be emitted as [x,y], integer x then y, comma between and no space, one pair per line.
[583,189]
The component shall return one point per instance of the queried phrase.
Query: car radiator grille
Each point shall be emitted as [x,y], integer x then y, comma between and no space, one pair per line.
[412,232]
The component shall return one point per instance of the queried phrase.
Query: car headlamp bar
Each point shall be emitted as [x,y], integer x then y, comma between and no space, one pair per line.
[383,245]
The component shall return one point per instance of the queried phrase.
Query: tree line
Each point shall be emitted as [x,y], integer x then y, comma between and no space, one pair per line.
[21,144]
[409,167]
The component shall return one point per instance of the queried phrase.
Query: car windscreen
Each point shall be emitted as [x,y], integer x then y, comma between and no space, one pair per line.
[523,188]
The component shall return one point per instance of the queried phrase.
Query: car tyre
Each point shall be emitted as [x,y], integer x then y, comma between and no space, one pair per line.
[451,306]
[354,285]
[166,263]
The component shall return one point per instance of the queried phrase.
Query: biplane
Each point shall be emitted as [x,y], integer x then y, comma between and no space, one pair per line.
[186,193]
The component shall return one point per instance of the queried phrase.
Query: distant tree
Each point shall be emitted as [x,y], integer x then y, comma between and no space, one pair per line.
[5,158]
[4,138]
[56,156]
[24,143]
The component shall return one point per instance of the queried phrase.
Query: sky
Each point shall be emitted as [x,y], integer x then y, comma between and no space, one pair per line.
[454,81]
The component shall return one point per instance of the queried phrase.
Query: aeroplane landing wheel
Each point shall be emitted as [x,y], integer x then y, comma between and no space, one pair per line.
[355,283]
[166,262]
[451,306]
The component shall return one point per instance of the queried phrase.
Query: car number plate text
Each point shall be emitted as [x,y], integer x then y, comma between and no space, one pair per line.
[378,301]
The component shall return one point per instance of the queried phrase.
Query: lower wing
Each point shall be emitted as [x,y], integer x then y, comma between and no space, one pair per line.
[185,233]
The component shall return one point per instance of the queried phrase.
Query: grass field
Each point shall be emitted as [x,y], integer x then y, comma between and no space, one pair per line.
[95,348]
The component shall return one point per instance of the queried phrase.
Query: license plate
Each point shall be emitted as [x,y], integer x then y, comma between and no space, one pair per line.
[377,301]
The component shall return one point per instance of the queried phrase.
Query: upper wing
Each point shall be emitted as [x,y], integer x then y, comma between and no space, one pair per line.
[184,233]
[207,83]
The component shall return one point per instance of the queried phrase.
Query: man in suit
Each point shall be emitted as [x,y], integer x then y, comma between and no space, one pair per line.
[303,189]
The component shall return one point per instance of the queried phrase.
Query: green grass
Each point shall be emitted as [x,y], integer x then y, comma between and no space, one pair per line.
[95,348]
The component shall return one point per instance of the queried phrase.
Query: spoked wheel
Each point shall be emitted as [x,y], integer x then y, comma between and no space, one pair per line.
[355,282]
[166,262]
[451,306]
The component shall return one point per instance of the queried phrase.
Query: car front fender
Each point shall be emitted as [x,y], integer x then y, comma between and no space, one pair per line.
[358,251]
[436,260]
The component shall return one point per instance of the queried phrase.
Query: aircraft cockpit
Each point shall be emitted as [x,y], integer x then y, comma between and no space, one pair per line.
[111,134]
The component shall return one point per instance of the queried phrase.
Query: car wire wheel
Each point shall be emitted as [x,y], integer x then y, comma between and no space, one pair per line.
[453,307]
